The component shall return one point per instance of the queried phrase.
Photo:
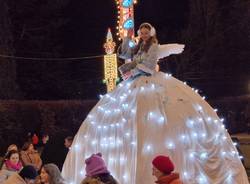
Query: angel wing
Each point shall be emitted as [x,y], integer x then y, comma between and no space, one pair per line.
[168,49]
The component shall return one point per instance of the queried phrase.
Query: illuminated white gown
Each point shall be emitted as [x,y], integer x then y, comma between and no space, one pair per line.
[154,115]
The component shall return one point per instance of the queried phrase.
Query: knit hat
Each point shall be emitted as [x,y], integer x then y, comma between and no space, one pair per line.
[163,164]
[95,165]
[28,172]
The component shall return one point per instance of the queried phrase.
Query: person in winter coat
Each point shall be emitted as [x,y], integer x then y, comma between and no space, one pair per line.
[26,176]
[50,174]
[97,172]
[3,159]
[11,165]
[30,156]
[163,171]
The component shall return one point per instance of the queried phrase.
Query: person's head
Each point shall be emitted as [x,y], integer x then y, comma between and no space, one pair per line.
[162,165]
[29,174]
[51,174]
[12,147]
[68,141]
[28,146]
[146,31]
[45,138]
[147,36]
[13,156]
[95,165]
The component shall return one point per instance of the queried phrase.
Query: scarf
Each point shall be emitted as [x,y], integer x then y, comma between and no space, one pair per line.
[11,166]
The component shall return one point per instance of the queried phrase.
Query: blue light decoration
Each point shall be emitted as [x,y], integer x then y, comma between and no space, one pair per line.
[131,44]
[128,24]
[127,3]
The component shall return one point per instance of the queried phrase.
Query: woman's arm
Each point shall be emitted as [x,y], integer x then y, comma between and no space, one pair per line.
[126,50]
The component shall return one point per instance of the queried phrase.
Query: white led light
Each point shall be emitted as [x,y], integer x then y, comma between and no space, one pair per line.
[94,142]
[183,137]
[133,143]
[199,108]
[195,135]
[153,86]
[161,119]
[170,145]
[209,119]
[185,174]
[203,156]
[148,147]
[203,135]
[191,155]
[90,116]
[223,153]
[127,134]
[125,106]
[128,84]
[133,111]
[113,99]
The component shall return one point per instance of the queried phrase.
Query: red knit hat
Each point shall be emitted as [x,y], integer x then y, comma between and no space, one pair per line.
[163,164]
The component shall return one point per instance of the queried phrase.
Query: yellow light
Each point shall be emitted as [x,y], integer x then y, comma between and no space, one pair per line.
[110,71]
[123,15]
[110,63]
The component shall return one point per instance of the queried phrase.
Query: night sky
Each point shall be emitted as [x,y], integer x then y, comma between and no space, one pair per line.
[78,28]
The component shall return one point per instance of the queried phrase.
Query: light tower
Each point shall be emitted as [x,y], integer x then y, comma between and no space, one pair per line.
[110,63]
[125,18]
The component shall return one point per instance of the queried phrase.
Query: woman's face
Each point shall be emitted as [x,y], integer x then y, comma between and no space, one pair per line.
[14,158]
[31,147]
[145,34]
[44,176]
[156,172]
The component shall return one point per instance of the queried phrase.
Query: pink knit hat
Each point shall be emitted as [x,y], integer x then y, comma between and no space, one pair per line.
[95,165]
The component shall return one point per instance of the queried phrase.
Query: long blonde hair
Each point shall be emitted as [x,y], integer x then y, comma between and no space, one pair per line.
[150,41]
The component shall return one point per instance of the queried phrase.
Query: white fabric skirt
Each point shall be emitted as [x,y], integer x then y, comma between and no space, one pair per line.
[150,116]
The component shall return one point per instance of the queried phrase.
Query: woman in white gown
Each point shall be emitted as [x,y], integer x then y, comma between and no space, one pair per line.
[153,113]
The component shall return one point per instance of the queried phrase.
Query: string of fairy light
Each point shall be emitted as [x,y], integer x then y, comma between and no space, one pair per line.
[125,27]
[125,18]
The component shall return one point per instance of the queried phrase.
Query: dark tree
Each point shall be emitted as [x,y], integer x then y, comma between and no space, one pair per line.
[217,52]
[8,86]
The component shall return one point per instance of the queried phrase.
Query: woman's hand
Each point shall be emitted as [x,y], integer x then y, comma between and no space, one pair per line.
[126,75]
